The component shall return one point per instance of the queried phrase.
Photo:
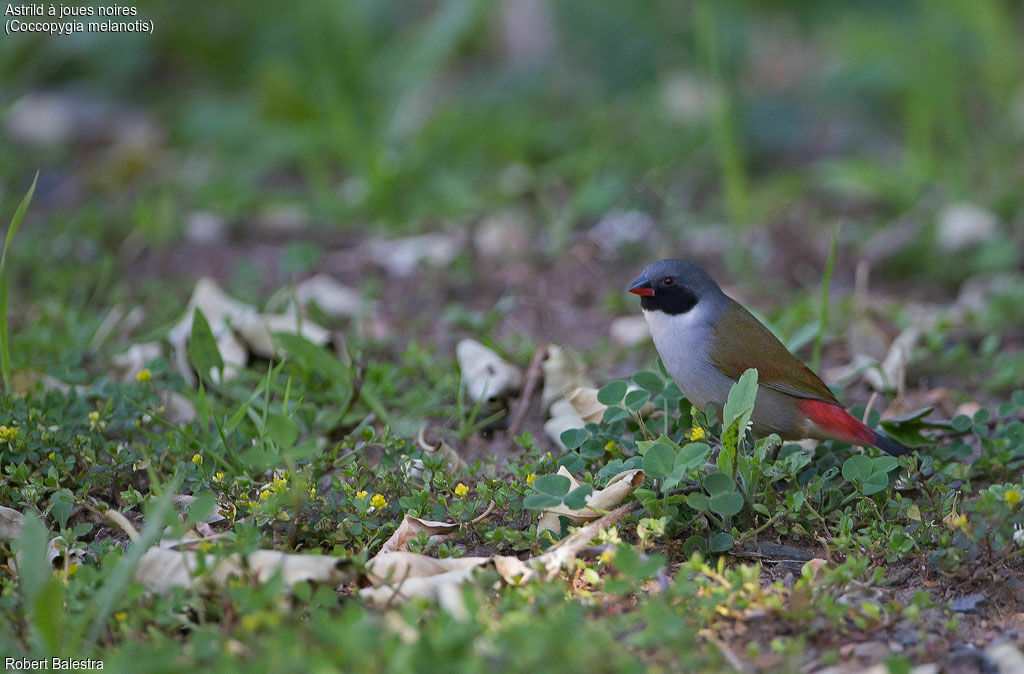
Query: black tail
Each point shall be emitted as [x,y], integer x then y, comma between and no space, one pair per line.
[888,445]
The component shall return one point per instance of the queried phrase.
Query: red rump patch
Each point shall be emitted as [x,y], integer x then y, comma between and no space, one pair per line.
[837,421]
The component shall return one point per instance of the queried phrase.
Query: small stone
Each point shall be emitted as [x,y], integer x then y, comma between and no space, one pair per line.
[969,603]
[871,650]
[964,224]
[205,227]
[628,330]
[618,228]
[906,637]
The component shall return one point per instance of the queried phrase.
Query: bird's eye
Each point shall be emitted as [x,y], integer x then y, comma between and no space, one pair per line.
[669,282]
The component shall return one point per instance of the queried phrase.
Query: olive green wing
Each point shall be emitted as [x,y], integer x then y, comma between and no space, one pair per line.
[741,342]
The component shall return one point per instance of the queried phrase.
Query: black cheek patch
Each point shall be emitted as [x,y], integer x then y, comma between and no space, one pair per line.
[673,300]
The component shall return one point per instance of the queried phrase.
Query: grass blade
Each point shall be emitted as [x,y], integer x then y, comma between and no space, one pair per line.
[5,348]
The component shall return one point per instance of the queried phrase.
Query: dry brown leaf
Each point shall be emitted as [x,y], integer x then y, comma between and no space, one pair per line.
[617,489]
[443,588]
[408,575]
[11,523]
[411,527]
[394,567]
[584,400]
[563,417]
[333,298]
[563,372]
[256,330]
[183,501]
[177,408]
[162,569]
[220,311]
[127,365]
[591,410]
[401,257]
[486,375]
[442,449]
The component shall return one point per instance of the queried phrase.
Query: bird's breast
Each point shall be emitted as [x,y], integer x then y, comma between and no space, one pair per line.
[683,342]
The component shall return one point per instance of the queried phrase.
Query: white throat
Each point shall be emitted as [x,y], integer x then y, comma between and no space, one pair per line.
[683,342]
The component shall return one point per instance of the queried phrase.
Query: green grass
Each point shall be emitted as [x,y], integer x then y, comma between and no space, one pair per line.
[385,118]
[12,229]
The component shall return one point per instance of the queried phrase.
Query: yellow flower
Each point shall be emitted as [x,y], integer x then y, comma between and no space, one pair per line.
[265,494]
[144,375]
[8,433]
[50,456]
[530,478]
[361,494]
[609,446]
[121,616]
[378,501]
[197,459]
[94,416]
[959,521]
[461,490]
[218,477]
[1012,496]
[696,433]
[312,492]
[608,555]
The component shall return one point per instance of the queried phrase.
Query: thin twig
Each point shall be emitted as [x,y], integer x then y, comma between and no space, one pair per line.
[867,408]
[490,508]
[533,375]
[115,517]
[730,657]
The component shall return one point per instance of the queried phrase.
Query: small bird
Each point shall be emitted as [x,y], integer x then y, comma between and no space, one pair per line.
[707,340]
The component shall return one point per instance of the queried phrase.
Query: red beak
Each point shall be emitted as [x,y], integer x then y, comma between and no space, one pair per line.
[642,286]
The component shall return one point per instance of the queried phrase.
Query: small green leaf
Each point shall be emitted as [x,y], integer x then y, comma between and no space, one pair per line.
[636,399]
[577,498]
[961,423]
[761,508]
[612,392]
[698,501]
[573,437]
[201,506]
[726,503]
[282,430]
[202,347]
[875,483]
[695,544]
[740,404]
[692,455]
[591,448]
[658,460]
[540,501]
[613,414]
[726,460]
[552,485]
[857,468]
[721,542]
[315,359]
[719,483]
[60,507]
[884,464]
[649,381]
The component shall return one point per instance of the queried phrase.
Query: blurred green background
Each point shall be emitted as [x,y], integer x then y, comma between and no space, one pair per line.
[763,124]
